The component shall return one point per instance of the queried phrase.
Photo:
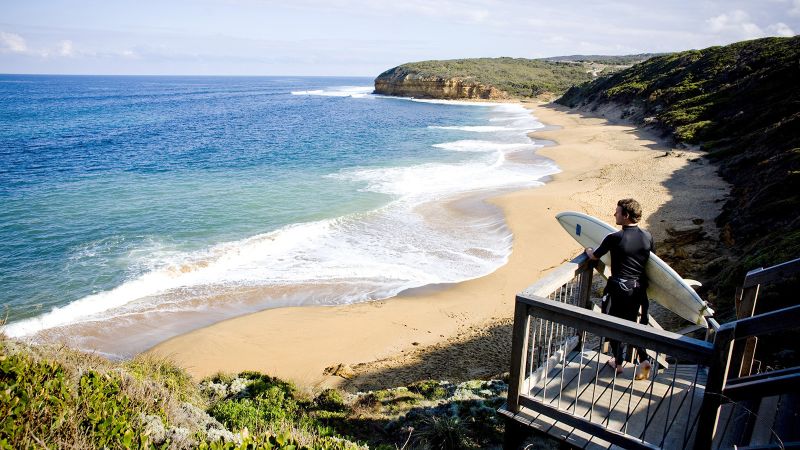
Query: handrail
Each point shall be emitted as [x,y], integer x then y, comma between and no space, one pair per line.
[764,375]
[553,313]
[684,347]
[771,274]
[773,321]
[746,389]
[746,299]
[558,276]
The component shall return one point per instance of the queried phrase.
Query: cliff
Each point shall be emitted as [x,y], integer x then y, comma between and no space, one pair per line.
[481,78]
[404,84]
[741,104]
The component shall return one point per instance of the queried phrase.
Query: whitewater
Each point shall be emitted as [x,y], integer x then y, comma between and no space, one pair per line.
[229,213]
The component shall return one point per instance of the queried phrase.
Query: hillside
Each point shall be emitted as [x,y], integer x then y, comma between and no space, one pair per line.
[741,104]
[56,397]
[618,60]
[486,78]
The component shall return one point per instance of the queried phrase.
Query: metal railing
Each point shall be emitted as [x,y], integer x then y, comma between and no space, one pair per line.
[559,381]
[576,388]
[744,396]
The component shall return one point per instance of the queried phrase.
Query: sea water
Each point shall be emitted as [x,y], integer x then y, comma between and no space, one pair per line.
[133,209]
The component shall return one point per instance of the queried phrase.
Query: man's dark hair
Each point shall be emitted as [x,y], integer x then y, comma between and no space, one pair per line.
[631,208]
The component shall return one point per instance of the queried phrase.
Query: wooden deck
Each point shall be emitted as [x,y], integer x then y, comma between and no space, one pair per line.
[661,411]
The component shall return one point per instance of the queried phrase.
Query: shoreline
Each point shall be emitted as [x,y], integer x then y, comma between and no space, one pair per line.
[320,346]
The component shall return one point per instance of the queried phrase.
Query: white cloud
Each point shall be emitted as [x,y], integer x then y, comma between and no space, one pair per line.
[736,22]
[478,15]
[66,48]
[12,42]
[795,11]
[780,29]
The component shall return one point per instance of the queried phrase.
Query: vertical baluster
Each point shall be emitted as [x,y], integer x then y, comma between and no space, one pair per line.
[611,397]
[580,371]
[571,290]
[546,371]
[628,411]
[563,370]
[531,359]
[596,378]
[671,394]
[560,299]
[687,433]
[647,419]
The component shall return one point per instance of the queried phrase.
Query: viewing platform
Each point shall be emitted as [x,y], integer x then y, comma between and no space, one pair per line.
[700,393]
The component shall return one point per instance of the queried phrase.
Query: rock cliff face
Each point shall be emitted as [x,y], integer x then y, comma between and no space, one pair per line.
[408,84]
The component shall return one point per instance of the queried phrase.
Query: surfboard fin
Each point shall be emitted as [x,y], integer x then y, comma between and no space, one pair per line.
[693,283]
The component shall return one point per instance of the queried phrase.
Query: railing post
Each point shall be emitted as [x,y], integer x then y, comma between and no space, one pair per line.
[585,289]
[519,345]
[717,376]
[744,351]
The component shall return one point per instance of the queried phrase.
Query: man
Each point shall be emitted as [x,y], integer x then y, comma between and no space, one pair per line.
[626,289]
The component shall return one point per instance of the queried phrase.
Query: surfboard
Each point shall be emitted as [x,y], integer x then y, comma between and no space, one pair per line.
[666,287]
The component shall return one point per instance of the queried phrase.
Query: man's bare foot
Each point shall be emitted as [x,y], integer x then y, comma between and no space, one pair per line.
[643,371]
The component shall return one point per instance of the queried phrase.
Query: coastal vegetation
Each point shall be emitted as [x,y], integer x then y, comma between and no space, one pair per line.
[56,397]
[495,77]
[739,103]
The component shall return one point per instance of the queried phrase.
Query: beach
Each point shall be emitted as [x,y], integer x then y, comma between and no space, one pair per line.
[462,330]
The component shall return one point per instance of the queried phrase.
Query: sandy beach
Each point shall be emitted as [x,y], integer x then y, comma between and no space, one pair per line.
[463,331]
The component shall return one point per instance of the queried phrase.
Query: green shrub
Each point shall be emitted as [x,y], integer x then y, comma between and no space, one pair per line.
[330,400]
[430,389]
[166,373]
[444,433]
[41,406]
[692,132]
[259,413]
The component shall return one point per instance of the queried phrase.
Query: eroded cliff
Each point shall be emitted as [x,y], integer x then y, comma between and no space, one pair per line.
[481,78]
[419,86]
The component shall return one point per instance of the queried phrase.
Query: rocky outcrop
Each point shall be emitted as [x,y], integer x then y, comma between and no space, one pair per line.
[408,84]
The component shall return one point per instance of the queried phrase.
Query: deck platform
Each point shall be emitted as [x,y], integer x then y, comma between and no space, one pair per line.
[661,411]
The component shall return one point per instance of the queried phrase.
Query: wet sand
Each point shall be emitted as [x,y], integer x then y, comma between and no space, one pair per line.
[462,330]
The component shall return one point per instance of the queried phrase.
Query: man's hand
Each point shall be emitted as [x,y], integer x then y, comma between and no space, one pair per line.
[590,253]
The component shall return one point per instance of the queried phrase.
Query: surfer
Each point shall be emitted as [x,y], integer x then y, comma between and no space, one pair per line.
[626,290]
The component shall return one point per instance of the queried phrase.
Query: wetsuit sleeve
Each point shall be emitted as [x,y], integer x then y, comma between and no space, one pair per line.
[608,242]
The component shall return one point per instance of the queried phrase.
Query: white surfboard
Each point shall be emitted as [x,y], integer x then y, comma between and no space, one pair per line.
[665,285]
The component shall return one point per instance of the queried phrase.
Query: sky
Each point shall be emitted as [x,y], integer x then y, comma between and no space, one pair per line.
[357,37]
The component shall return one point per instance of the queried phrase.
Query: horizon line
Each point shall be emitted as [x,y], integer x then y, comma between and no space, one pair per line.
[179,75]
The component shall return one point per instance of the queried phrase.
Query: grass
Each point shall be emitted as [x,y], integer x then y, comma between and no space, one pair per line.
[55,397]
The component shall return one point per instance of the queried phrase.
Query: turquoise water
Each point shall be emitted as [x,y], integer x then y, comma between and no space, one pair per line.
[173,202]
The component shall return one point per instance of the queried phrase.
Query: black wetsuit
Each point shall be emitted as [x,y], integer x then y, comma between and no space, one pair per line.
[627,288]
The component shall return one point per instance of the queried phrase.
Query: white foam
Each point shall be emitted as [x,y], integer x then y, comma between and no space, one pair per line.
[469,145]
[477,128]
[347,259]
[452,102]
[339,91]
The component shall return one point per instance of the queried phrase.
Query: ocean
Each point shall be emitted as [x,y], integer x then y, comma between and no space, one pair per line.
[133,209]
